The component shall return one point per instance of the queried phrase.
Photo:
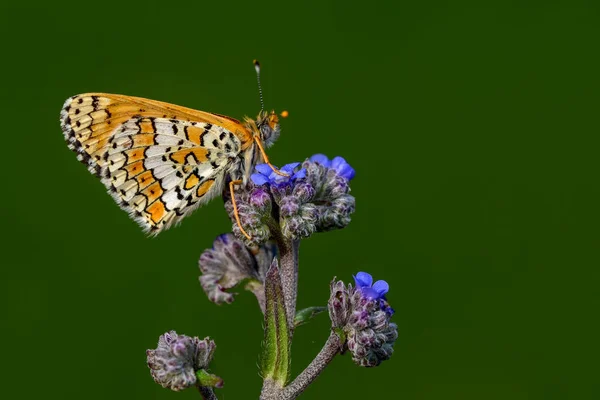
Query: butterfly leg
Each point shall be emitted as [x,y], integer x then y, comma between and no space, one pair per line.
[235,209]
[262,151]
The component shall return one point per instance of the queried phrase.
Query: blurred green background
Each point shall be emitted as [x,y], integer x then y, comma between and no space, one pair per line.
[473,127]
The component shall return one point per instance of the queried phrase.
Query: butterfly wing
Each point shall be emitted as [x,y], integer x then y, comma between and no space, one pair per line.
[159,161]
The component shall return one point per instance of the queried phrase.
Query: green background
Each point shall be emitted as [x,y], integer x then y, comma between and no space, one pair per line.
[473,128]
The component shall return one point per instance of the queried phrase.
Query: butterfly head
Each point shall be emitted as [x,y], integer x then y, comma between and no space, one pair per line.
[267,124]
[268,127]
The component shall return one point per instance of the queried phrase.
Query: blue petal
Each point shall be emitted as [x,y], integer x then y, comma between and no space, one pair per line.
[300,174]
[348,172]
[289,168]
[264,169]
[223,237]
[259,179]
[369,293]
[343,168]
[381,287]
[321,159]
[337,162]
[363,279]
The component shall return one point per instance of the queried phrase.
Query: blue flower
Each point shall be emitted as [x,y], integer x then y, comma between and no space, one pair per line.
[373,291]
[338,164]
[266,175]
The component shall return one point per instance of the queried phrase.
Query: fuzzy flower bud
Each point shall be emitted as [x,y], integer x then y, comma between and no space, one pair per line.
[228,263]
[303,191]
[254,206]
[289,206]
[330,180]
[339,304]
[174,363]
[261,201]
[337,214]
[363,314]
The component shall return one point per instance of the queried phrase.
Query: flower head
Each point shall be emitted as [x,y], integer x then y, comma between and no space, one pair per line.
[330,180]
[228,263]
[312,198]
[266,175]
[363,315]
[174,363]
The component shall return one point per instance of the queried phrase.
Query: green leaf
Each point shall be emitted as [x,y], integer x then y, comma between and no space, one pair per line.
[275,362]
[209,380]
[305,315]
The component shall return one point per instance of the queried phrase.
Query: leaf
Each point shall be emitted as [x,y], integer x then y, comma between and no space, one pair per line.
[305,315]
[275,362]
[208,380]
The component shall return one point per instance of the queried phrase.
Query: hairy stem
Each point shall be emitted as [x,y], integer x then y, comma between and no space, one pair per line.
[314,369]
[270,390]
[206,393]
[288,267]
[288,264]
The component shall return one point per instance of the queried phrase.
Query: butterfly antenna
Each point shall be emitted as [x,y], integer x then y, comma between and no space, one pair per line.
[257,68]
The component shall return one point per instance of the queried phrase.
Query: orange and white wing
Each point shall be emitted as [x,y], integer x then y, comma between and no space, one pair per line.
[159,161]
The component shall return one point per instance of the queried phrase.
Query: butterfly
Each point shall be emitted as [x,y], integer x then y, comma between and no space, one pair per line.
[160,161]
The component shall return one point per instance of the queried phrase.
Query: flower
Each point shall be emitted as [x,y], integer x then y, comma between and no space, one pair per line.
[266,175]
[174,363]
[338,164]
[361,317]
[228,263]
[373,291]
[314,198]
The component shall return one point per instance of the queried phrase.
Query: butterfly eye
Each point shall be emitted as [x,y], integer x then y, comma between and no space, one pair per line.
[265,132]
[269,132]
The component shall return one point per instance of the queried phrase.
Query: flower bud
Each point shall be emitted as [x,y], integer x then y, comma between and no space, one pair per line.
[254,210]
[304,191]
[261,200]
[228,263]
[337,214]
[289,206]
[301,224]
[339,304]
[174,363]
